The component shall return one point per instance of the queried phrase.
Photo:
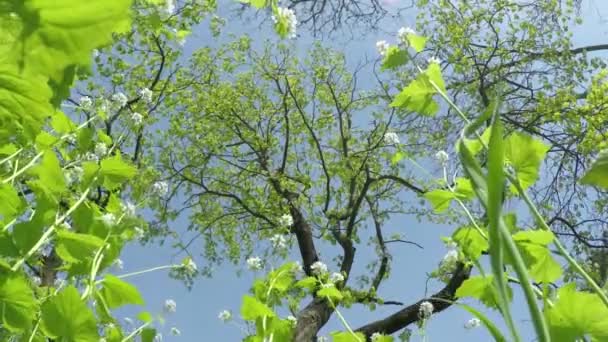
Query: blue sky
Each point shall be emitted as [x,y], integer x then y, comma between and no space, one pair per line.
[197,310]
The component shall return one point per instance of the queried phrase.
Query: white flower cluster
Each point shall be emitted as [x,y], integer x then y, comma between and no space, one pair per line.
[170,306]
[73,175]
[120,98]
[118,264]
[286,220]
[382,46]
[254,263]
[128,208]
[139,233]
[175,331]
[318,268]
[278,241]
[442,157]
[101,150]
[434,60]
[336,277]
[472,323]
[449,262]
[290,17]
[375,336]
[85,102]
[292,319]
[108,219]
[146,94]
[426,310]
[403,33]
[391,138]
[169,8]
[137,119]
[225,316]
[160,188]
[90,156]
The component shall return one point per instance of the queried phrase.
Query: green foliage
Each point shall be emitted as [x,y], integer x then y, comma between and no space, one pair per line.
[481,288]
[66,317]
[598,172]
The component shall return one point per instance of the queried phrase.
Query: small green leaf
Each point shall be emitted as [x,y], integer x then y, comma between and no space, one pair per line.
[75,247]
[481,288]
[597,174]
[145,316]
[252,309]
[12,203]
[394,58]
[50,174]
[330,292]
[440,199]
[61,123]
[307,283]
[148,335]
[118,292]
[470,241]
[416,41]
[345,336]
[67,318]
[525,154]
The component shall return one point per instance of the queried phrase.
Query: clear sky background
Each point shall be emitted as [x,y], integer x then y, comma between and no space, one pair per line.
[197,310]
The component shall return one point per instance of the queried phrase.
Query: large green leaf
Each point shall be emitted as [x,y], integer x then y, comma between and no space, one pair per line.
[12,203]
[50,175]
[576,315]
[394,58]
[470,241]
[418,95]
[525,154]
[533,245]
[117,292]
[115,171]
[67,318]
[345,336]
[75,247]
[252,309]
[18,306]
[597,174]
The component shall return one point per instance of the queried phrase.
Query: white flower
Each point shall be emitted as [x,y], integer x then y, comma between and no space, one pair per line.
[129,321]
[85,102]
[289,16]
[120,98]
[71,138]
[472,323]
[278,241]
[375,336]
[382,46]
[426,309]
[322,339]
[451,244]
[101,149]
[175,331]
[146,94]
[391,138]
[327,285]
[225,316]
[318,268]
[292,319]
[160,188]
[443,157]
[36,280]
[254,263]
[297,268]
[128,208]
[170,306]
[74,175]
[336,277]
[403,32]
[95,53]
[118,264]
[90,156]
[65,225]
[137,118]
[286,220]
[169,8]
[139,233]
[451,256]
[190,266]
[158,337]
[434,60]
[108,219]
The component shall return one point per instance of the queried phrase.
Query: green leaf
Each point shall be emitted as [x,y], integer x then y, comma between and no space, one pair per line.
[252,309]
[464,189]
[597,174]
[145,316]
[474,145]
[12,203]
[61,123]
[525,154]
[416,41]
[397,157]
[470,241]
[418,97]
[536,255]
[67,317]
[18,306]
[345,336]
[115,171]
[307,283]
[148,335]
[330,292]
[75,247]
[118,292]
[282,278]
[433,72]
[481,288]
[576,315]
[394,58]
[440,199]
[50,175]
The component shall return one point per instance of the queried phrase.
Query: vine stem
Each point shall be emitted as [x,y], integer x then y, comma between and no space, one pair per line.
[158,268]
[135,332]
